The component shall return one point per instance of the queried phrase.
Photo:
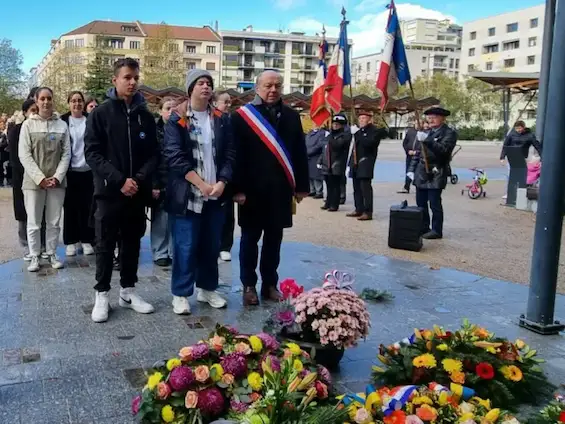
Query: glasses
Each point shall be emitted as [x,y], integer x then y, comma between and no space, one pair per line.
[76,101]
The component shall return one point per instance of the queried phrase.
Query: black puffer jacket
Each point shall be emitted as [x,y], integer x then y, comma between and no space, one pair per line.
[438,146]
[160,176]
[522,140]
[334,156]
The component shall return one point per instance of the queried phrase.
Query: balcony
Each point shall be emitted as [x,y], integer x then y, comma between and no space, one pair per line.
[438,64]
[232,63]
[295,66]
[259,49]
[230,48]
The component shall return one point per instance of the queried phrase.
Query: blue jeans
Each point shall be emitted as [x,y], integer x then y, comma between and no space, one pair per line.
[196,247]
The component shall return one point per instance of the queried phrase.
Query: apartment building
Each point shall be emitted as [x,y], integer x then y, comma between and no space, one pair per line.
[247,53]
[187,48]
[511,42]
[432,47]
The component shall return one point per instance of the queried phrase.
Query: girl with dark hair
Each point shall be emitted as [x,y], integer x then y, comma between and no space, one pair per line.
[80,185]
[90,103]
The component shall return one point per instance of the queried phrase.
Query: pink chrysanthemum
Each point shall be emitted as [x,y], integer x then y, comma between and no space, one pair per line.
[135,404]
[324,375]
[238,407]
[269,341]
[181,378]
[234,364]
[211,402]
[200,351]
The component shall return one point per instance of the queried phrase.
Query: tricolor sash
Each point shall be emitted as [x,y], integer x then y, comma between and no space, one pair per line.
[270,138]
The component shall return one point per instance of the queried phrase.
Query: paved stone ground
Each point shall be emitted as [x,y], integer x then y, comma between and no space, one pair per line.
[58,367]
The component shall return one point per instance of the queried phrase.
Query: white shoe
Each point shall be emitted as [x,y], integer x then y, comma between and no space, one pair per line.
[27,257]
[225,256]
[129,299]
[87,249]
[101,307]
[181,305]
[44,255]
[211,298]
[34,265]
[71,250]
[55,262]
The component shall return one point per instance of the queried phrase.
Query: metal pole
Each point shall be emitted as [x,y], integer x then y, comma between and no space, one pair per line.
[547,237]
[548,25]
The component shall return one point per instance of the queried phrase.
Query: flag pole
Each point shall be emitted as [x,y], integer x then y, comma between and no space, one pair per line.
[418,121]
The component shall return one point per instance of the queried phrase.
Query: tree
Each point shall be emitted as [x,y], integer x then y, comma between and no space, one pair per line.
[367,88]
[63,74]
[11,77]
[162,60]
[99,71]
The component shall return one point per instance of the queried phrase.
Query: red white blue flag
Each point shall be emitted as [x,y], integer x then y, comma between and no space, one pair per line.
[339,71]
[319,112]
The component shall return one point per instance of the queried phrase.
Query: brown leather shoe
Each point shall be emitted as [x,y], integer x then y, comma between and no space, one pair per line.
[365,217]
[353,214]
[250,297]
[271,293]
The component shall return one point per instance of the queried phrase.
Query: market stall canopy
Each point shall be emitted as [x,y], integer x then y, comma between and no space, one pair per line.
[517,81]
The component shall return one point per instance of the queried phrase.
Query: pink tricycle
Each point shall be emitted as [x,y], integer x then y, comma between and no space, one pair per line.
[476,190]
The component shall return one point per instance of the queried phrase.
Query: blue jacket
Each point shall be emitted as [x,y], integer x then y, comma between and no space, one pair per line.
[180,161]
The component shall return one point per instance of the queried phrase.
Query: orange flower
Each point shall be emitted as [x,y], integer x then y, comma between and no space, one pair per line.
[228,379]
[458,377]
[243,347]
[202,373]
[217,343]
[397,417]
[254,397]
[426,413]
[481,333]
[191,400]
[185,354]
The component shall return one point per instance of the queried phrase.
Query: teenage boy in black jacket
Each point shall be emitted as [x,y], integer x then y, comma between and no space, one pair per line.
[122,150]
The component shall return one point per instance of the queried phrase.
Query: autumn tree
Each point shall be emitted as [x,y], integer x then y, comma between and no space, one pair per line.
[367,88]
[162,60]
[11,77]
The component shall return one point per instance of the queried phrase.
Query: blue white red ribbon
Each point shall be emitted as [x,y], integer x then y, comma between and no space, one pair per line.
[398,398]
[338,279]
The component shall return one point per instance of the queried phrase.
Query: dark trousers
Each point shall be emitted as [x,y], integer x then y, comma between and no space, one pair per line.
[113,219]
[407,181]
[342,189]
[333,184]
[270,256]
[363,195]
[196,247]
[78,199]
[226,241]
[431,197]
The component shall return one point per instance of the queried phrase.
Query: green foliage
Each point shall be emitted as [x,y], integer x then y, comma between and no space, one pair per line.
[366,87]
[376,295]
[163,63]
[11,77]
[553,413]
[99,72]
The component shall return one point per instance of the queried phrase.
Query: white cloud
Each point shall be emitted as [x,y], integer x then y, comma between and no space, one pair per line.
[370,5]
[287,4]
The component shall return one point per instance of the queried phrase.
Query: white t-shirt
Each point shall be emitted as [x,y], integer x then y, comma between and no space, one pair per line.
[77,127]
[203,125]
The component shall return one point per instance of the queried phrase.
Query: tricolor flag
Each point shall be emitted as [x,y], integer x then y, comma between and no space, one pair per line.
[394,65]
[339,72]
[319,112]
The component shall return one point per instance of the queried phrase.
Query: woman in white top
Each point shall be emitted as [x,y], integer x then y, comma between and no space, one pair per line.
[80,185]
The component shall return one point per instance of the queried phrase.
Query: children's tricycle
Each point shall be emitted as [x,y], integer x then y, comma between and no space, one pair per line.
[453,178]
[476,190]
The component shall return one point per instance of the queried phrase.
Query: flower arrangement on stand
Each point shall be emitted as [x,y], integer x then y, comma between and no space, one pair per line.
[324,320]
[506,372]
[553,413]
[422,404]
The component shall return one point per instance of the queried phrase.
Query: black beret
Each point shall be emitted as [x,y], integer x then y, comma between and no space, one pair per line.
[439,111]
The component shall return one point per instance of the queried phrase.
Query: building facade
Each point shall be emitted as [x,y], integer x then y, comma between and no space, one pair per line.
[248,53]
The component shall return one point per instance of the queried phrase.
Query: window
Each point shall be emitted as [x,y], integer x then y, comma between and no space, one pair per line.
[210,66]
[135,45]
[532,41]
[534,23]
[473,35]
[173,47]
[489,66]
[173,64]
[531,60]
[513,27]
[470,68]
[69,44]
[368,67]
[531,114]
[451,63]
[190,65]
[490,48]
[472,52]
[128,28]
[511,45]
[190,49]
[424,58]
[211,49]
[509,63]
[116,44]
[79,42]
[492,32]
[456,63]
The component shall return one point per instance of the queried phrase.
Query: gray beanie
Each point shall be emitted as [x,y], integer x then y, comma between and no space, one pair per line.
[194,75]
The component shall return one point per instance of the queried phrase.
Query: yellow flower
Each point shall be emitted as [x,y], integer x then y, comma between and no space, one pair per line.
[428,334]
[443,398]
[256,344]
[168,414]
[297,365]
[520,344]
[512,372]
[216,372]
[173,363]
[466,417]
[421,400]
[154,380]
[457,377]
[426,360]
[255,381]
[378,369]
[443,347]
[294,348]
[452,365]
[383,359]
[492,415]
[485,403]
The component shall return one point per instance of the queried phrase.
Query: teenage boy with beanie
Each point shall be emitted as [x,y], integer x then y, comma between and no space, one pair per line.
[200,155]
[121,149]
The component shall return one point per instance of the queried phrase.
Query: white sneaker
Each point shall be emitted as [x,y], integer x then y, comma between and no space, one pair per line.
[129,299]
[44,255]
[101,307]
[211,298]
[181,305]
[27,257]
[34,265]
[71,250]
[225,256]
[55,262]
[87,249]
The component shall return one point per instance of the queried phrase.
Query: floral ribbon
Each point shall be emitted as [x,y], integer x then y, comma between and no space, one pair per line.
[399,398]
[338,280]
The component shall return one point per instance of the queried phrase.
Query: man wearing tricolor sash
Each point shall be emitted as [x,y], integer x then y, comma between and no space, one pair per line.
[271,173]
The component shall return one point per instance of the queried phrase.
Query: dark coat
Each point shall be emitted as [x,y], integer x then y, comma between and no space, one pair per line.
[410,141]
[160,175]
[334,157]
[259,175]
[121,145]
[315,142]
[524,141]
[180,160]
[17,173]
[365,151]
[439,145]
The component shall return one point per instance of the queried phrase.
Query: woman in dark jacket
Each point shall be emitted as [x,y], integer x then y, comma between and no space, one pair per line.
[520,137]
[315,142]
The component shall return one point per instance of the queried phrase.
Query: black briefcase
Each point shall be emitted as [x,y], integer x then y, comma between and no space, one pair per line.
[404,231]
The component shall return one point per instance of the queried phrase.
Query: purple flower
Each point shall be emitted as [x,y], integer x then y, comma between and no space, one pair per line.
[275,362]
[135,404]
[304,373]
[211,402]
[238,407]
[324,375]
[285,317]
[181,378]
[233,330]
[200,351]
[234,364]
[269,341]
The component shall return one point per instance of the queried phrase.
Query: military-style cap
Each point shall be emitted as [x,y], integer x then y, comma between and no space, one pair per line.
[439,111]
[365,112]
[340,119]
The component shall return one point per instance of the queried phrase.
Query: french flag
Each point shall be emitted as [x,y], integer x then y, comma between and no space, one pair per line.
[319,112]
[394,65]
[339,72]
